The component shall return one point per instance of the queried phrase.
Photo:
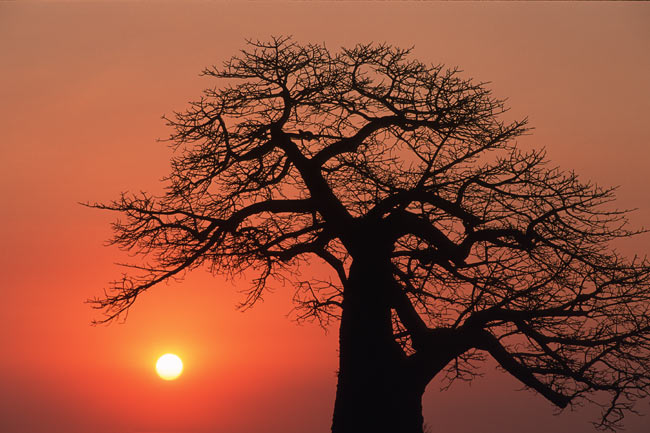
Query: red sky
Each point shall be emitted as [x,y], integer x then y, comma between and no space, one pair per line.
[82,89]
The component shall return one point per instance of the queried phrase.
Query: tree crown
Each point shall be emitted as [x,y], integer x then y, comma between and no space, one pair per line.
[367,154]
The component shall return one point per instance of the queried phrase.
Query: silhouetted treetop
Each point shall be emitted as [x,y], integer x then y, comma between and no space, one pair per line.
[447,242]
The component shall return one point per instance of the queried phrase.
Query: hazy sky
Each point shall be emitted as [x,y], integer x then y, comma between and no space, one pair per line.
[82,89]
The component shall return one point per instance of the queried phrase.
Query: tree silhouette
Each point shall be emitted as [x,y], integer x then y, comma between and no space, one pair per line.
[447,243]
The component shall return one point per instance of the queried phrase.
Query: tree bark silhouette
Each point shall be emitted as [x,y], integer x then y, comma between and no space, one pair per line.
[377,391]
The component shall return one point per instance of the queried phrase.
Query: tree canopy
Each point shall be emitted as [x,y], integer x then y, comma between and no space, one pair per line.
[367,157]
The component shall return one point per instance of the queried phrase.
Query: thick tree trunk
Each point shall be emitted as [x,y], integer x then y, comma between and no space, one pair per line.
[377,404]
[376,392]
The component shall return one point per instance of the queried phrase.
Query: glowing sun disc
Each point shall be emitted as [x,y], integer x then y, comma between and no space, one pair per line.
[169,366]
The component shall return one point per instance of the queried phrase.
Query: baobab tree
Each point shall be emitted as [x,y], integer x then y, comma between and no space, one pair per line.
[446,242]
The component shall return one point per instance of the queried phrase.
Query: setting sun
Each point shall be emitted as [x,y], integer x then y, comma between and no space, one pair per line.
[169,366]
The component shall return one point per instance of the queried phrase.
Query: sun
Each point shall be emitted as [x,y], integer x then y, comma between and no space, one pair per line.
[169,366]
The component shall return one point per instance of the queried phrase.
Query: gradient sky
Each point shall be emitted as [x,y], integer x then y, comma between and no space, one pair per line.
[82,89]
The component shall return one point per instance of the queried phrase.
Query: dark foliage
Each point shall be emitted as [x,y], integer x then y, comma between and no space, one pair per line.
[368,156]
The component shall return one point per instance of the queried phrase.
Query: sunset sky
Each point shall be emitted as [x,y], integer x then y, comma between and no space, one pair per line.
[83,86]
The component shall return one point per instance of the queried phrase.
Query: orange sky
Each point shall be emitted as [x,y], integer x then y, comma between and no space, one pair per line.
[82,89]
